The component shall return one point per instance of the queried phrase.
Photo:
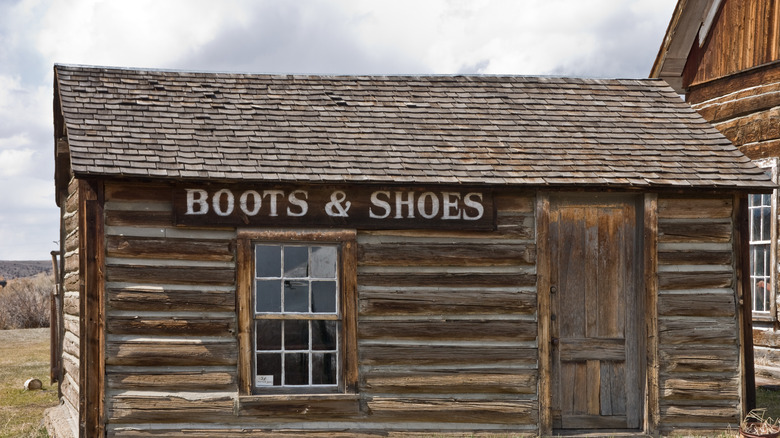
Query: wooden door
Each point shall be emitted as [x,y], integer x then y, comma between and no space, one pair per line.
[596,314]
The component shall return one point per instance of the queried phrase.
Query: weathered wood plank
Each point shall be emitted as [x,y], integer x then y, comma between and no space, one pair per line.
[126,191]
[459,253]
[685,304]
[176,249]
[401,354]
[694,257]
[694,208]
[514,201]
[752,128]
[204,379]
[698,358]
[702,416]
[465,381]
[171,352]
[138,407]
[447,279]
[430,409]
[300,407]
[678,280]
[448,329]
[699,387]
[766,338]
[171,325]
[697,330]
[201,275]
[145,218]
[446,301]
[164,298]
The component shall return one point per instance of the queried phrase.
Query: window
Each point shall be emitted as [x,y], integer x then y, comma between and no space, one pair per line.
[297,312]
[762,213]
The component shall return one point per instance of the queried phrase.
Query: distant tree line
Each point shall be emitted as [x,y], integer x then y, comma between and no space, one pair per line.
[24,268]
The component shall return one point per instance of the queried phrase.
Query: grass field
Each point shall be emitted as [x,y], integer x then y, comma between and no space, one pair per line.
[24,354]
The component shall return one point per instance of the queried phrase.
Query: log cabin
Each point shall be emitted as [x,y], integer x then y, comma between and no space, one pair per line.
[724,57]
[280,255]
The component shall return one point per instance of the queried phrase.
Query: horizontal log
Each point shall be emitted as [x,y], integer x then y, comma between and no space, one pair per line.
[448,329]
[683,358]
[70,390]
[71,282]
[72,261]
[70,304]
[766,338]
[139,218]
[446,301]
[703,416]
[515,225]
[447,279]
[70,367]
[453,410]
[362,430]
[144,378]
[694,257]
[704,304]
[465,381]
[460,253]
[72,237]
[168,298]
[741,103]
[672,280]
[694,208]
[700,388]
[194,275]
[171,325]
[591,422]
[176,249]
[698,232]
[752,128]
[300,407]
[401,354]
[171,352]
[70,344]
[697,330]
[137,407]
[761,149]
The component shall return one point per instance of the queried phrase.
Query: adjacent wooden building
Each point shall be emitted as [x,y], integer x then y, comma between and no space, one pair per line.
[724,56]
[260,255]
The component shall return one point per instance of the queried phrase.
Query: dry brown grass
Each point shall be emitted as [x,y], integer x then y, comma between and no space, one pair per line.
[24,354]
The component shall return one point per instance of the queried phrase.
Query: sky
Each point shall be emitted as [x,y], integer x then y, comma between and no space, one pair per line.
[581,38]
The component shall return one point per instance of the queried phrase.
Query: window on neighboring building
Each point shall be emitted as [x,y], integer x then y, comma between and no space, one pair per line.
[762,248]
[299,314]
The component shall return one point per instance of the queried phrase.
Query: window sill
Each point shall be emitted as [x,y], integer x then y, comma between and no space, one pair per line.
[299,406]
[763,317]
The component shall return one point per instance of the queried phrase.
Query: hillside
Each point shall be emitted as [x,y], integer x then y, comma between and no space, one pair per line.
[23,268]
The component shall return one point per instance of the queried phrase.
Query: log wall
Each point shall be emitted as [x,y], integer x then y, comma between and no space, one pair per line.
[698,327]
[69,384]
[745,107]
[447,331]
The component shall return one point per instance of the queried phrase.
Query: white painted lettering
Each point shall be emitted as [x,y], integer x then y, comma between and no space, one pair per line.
[216,202]
[197,198]
[273,195]
[334,207]
[399,203]
[434,205]
[381,204]
[257,202]
[298,202]
[449,205]
[476,205]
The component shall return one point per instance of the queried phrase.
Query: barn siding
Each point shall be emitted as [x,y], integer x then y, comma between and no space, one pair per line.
[697,321]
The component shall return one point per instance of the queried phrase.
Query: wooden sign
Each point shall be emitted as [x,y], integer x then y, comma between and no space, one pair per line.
[332,206]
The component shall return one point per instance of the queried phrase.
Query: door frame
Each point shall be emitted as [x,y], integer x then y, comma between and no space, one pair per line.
[647,283]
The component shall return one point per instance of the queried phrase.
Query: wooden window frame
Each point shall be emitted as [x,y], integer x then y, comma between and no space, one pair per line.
[251,399]
[771,314]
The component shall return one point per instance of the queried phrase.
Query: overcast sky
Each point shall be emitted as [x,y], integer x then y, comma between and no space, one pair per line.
[592,38]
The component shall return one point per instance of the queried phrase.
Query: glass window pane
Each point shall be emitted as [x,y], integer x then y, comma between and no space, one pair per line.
[323,334]
[268,261]
[323,296]
[296,296]
[268,334]
[269,369]
[296,335]
[323,262]
[766,224]
[755,224]
[324,368]
[296,261]
[268,295]
[758,267]
[296,369]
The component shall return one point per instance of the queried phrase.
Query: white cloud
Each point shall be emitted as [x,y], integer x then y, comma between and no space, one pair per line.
[15,162]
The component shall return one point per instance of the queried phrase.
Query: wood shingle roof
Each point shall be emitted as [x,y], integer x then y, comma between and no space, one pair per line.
[506,130]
